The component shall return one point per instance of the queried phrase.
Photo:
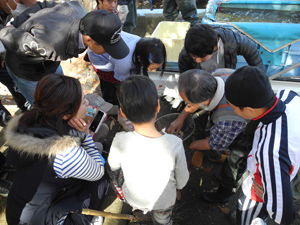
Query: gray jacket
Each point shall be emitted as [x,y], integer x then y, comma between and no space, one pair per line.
[235,44]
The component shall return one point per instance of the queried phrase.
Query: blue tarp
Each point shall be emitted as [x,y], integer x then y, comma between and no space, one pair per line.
[271,36]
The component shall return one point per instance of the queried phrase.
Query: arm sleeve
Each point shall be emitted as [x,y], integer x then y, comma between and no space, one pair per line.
[114,157]
[223,133]
[276,183]
[248,49]
[83,162]
[181,170]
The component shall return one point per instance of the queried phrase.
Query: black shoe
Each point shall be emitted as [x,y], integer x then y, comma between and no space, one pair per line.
[216,197]
[5,186]
[4,117]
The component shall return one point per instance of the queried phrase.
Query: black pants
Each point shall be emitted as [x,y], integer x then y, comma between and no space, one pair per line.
[109,91]
[97,190]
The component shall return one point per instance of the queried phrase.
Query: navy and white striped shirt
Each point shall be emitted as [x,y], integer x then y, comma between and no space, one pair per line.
[275,157]
[82,162]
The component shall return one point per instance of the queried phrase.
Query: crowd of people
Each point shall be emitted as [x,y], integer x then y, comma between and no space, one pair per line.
[60,166]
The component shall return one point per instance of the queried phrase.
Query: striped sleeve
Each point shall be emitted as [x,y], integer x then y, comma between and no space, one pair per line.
[83,162]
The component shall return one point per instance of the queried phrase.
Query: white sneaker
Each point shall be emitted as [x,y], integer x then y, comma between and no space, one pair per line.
[126,124]
[97,220]
[258,221]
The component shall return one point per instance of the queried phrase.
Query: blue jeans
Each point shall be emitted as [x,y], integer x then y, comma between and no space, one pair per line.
[27,87]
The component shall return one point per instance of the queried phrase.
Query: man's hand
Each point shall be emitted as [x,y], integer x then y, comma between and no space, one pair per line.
[175,126]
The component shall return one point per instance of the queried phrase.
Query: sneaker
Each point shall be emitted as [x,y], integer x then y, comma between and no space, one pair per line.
[97,220]
[4,117]
[126,124]
[5,186]
[258,221]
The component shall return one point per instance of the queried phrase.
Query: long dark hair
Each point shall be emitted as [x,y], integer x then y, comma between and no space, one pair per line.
[55,96]
[142,51]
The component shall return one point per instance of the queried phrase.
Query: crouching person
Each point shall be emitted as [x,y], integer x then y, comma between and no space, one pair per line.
[153,164]
[59,168]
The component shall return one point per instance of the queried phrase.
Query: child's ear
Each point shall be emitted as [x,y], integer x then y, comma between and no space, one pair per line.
[122,114]
[158,107]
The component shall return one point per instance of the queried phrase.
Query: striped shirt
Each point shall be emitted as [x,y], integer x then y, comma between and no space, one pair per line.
[83,162]
[275,157]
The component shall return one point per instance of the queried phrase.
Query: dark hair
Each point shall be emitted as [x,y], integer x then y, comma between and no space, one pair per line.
[197,85]
[138,98]
[97,1]
[55,96]
[200,40]
[142,51]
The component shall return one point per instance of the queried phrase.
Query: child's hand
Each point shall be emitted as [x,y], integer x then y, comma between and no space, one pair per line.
[79,124]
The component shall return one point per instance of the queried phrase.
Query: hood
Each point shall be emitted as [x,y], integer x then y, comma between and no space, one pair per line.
[26,143]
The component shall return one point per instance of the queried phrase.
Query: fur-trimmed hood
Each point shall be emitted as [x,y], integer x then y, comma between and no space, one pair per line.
[25,143]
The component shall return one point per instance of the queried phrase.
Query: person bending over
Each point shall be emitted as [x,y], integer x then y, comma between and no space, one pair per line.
[274,161]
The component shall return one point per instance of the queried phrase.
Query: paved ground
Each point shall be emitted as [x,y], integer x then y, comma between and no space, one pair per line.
[190,210]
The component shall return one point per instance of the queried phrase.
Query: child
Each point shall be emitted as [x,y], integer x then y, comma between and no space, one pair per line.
[153,164]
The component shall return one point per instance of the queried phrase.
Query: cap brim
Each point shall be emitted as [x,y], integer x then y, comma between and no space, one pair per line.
[105,106]
[118,51]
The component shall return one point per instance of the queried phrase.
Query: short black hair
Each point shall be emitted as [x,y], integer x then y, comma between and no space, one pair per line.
[138,98]
[197,85]
[200,40]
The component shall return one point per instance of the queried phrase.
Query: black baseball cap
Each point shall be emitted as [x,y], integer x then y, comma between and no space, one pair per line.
[105,28]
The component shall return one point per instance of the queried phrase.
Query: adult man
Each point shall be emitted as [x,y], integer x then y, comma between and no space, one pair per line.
[36,47]
[199,89]
[4,76]
[209,48]
[274,159]
[188,10]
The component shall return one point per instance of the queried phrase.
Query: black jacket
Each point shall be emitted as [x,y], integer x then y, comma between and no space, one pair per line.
[38,196]
[36,47]
[235,44]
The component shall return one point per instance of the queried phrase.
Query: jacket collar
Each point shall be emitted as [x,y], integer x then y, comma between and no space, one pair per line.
[273,113]
[48,145]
